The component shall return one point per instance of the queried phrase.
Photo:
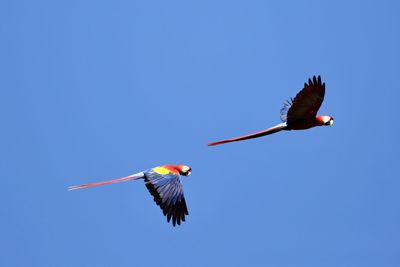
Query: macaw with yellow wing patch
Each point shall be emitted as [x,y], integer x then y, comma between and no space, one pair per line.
[164,185]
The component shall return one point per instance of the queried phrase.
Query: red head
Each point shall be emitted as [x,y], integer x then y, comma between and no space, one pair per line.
[183,169]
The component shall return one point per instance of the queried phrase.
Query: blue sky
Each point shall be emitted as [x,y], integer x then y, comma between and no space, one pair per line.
[92,90]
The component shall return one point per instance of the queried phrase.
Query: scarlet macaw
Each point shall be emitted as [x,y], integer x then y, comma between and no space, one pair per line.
[164,185]
[297,114]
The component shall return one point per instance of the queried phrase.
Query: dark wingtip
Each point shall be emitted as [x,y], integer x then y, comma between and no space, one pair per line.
[316,79]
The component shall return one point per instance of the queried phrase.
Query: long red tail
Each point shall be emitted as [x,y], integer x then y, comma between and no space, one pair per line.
[268,131]
[123,179]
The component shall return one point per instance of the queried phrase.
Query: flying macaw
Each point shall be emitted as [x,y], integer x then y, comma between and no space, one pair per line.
[164,185]
[297,114]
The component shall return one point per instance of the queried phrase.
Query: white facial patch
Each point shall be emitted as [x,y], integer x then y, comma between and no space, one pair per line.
[185,168]
[326,119]
[330,122]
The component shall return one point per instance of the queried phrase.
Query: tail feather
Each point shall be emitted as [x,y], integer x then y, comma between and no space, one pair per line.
[268,131]
[123,179]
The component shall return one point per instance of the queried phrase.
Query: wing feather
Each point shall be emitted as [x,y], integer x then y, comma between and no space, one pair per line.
[167,191]
[306,103]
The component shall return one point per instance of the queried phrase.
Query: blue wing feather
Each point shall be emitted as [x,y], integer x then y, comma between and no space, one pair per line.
[167,191]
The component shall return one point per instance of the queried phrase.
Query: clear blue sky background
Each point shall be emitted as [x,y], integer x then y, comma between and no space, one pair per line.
[92,90]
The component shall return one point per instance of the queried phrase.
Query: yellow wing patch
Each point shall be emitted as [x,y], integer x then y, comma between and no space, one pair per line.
[161,170]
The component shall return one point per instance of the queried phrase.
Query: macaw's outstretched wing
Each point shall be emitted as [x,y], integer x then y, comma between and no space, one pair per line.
[167,191]
[306,103]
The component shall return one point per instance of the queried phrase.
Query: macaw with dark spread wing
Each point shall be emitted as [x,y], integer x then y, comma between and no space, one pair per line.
[297,114]
[164,185]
